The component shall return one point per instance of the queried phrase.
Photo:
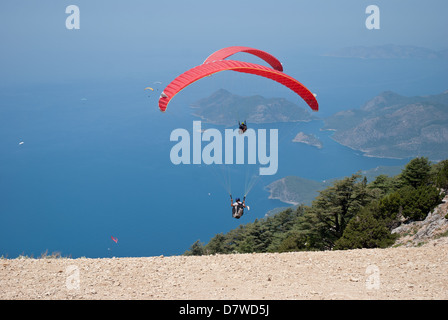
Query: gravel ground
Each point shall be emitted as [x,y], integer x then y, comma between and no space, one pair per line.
[393,273]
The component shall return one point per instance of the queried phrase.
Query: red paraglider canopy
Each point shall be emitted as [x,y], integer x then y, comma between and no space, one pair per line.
[114,239]
[207,69]
[227,52]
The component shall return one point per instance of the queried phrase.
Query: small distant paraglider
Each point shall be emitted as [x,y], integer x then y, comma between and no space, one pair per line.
[155,87]
[149,88]
[111,248]
[21,142]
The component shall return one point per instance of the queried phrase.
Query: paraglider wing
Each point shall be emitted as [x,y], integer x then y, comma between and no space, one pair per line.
[149,88]
[207,69]
[227,52]
[114,239]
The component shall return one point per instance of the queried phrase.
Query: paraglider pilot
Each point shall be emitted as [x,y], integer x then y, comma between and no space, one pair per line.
[243,127]
[237,207]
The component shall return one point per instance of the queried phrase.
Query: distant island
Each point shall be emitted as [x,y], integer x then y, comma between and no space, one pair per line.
[296,190]
[389,125]
[388,51]
[224,108]
[394,126]
[309,139]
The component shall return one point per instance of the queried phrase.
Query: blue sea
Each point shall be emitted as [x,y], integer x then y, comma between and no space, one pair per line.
[82,160]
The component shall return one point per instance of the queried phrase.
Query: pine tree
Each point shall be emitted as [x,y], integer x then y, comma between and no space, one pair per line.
[216,244]
[441,178]
[335,207]
[196,249]
[416,172]
[365,231]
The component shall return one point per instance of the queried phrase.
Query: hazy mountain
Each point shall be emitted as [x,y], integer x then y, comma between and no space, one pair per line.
[391,125]
[223,107]
[388,51]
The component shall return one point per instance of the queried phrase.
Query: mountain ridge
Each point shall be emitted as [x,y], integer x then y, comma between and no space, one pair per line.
[224,108]
[394,126]
[388,51]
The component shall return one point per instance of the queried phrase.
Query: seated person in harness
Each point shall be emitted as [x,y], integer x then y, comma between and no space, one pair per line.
[242,126]
[238,207]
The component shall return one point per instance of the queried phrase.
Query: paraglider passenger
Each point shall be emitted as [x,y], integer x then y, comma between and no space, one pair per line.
[243,127]
[237,207]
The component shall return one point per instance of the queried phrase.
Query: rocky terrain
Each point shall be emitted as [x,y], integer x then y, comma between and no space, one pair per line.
[419,232]
[393,273]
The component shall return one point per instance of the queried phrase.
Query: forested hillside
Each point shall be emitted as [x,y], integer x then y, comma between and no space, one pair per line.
[349,214]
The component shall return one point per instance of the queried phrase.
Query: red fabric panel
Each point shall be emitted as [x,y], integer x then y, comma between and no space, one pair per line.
[207,69]
[227,52]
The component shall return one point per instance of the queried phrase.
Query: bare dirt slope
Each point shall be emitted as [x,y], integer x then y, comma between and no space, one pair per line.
[393,273]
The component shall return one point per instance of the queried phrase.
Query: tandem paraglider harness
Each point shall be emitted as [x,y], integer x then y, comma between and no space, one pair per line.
[238,209]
